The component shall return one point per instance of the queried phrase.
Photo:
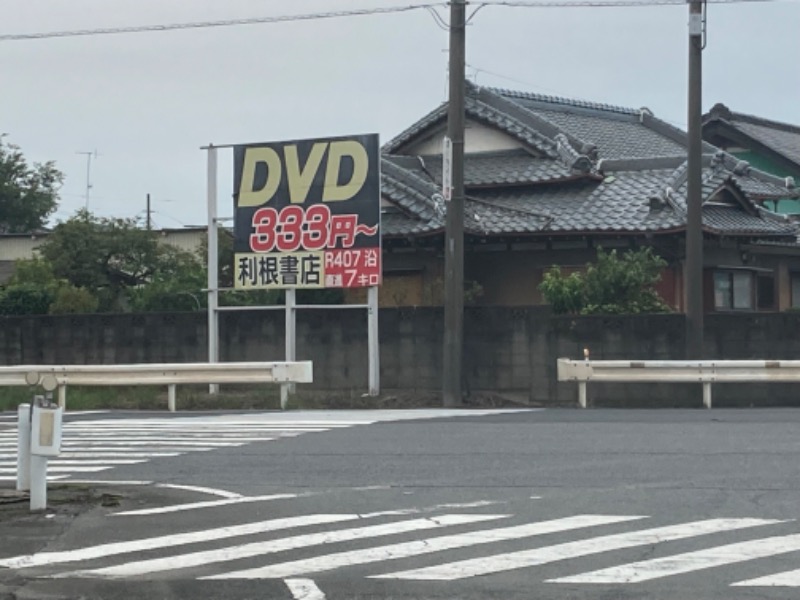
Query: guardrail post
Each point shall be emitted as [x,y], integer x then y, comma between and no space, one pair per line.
[582,394]
[707,394]
[171,397]
[62,397]
[24,447]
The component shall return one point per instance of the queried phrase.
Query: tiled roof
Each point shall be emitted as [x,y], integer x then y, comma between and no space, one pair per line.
[508,167]
[625,201]
[781,138]
[727,219]
[617,132]
[581,168]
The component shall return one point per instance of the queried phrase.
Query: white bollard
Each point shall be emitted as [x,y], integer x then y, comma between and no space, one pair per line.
[38,482]
[24,447]
[171,397]
[707,394]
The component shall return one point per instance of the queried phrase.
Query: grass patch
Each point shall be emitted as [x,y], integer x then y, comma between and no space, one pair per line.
[239,397]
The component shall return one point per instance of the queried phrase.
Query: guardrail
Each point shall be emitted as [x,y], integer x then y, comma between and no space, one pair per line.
[706,372]
[53,377]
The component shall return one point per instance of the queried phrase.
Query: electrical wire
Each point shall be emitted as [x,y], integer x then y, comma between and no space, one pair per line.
[604,3]
[224,23]
[10,37]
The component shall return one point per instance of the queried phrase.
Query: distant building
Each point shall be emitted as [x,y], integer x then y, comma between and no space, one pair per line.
[17,246]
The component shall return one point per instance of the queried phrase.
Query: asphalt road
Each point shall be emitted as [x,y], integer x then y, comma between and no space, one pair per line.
[660,504]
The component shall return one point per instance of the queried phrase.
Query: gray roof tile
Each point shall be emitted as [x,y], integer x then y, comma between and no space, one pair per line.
[511,167]
[782,138]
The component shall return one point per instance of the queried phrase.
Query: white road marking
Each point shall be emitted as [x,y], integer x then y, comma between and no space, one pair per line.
[477,504]
[49,477]
[163,442]
[58,461]
[202,490]
[167,541]
[785,579]
[728,554]
[548,554]
[407,549]
[50,469]
[196,559]
[105,455]
[304,589]
[207,504]
[111,481]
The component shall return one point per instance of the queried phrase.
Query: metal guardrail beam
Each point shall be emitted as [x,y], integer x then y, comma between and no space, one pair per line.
[705,372]
[156,374]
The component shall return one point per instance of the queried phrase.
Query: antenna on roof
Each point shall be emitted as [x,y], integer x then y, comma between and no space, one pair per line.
[88,173]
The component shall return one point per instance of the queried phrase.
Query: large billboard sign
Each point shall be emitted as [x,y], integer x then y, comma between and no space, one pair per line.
[307,213]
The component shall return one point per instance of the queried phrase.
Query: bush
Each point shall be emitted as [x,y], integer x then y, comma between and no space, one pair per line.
[612,285]
[25,299]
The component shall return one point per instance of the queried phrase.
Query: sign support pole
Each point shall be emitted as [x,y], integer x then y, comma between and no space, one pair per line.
[213,259]
[291,341]
[372,341]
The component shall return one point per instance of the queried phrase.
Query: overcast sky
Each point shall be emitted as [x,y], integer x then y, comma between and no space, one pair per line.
[146,102]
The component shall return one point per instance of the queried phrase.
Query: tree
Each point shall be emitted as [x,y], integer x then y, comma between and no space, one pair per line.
[28,193]
[33,289]
[107,257]
[176,284]
[612,285]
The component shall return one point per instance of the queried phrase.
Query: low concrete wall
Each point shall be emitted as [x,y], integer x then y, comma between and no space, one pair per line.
[510,351]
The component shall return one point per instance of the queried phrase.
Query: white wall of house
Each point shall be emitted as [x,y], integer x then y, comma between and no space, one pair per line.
[477,138]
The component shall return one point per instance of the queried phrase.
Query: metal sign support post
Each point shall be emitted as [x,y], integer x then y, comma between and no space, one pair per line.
[372,341]
[291,341]
[213,260]
[23,447]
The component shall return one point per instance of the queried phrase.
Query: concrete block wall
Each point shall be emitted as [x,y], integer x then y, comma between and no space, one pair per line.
[506,350]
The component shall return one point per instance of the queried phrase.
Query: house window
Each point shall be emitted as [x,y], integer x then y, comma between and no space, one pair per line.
[765,291]
[744,289]
[733,290]
[795,290]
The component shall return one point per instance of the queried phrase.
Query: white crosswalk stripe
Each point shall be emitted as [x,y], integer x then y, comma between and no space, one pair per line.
[94,445]
[539,556]
[785,579]
[690,561]
[204,554]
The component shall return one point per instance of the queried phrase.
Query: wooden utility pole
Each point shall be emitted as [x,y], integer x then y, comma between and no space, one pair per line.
[454,228]
[694,196]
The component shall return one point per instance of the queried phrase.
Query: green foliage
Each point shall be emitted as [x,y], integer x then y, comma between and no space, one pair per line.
[73,300]
[612,285]
[566,293]
[35,271]
[108,257]
[176,284]
[28,193]
[25,299]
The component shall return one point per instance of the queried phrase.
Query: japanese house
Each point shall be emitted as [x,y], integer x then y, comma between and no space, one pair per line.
[549,180]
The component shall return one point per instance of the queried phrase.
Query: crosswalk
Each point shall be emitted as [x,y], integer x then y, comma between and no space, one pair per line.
[96,445]
[99,443]
[392,546]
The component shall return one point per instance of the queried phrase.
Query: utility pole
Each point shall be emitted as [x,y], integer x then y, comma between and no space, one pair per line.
[694,196]
[149,221]
[454,227]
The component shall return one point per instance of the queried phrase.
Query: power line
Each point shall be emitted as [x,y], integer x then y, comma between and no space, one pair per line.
[12,37]
[224,23]
[604,3]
